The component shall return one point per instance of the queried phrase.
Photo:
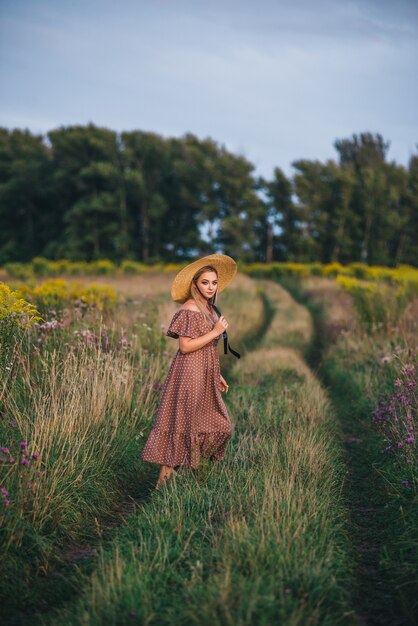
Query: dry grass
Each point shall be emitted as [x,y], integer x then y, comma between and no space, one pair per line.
[339,304]
[257,539]
[292,322]
[260,538]
[269,361]
[77,412]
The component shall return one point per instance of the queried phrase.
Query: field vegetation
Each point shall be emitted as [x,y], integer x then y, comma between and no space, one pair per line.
[311,517]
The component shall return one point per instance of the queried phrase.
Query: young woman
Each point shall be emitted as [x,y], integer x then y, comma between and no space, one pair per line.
[192,421]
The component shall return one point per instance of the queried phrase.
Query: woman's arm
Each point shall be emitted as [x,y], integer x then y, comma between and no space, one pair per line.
[187,344]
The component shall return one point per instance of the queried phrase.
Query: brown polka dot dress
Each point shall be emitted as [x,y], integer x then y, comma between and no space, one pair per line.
[192,421]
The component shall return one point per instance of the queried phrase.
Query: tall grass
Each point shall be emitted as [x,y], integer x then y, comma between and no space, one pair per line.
[257,541]
[379,305]
[80,400]
[373,378]
[291,324]
[81,395]
[260,538]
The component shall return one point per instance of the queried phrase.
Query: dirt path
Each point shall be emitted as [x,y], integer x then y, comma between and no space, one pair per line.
[372,521]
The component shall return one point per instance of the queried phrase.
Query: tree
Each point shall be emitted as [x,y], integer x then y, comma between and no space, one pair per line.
[88,186]
[364,150]
[408,249]
[282,214]
[26,207]
[148,166]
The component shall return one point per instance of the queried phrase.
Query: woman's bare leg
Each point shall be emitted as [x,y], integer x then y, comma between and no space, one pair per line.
[165,473]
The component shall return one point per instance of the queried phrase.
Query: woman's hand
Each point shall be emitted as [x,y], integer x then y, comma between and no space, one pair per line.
[220,325]
[223,385]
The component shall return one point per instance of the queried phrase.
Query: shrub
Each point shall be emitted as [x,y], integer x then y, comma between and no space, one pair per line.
[132,267]
[56,293]
[378,305]
[21,271]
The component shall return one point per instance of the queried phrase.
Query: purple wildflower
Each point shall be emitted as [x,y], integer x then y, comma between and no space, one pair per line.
[5,449]
[23,444]
[25,461]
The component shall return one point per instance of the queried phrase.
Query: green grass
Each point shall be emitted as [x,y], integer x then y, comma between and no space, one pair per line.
[83,410]
[258,539]
[384,512]
[357,368]
[303,523]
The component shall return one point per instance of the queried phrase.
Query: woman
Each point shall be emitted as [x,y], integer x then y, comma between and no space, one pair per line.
[192,421]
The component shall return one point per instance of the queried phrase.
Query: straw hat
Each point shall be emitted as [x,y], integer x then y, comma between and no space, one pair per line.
[224,264]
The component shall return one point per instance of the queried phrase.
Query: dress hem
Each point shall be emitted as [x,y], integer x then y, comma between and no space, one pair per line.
[174,448]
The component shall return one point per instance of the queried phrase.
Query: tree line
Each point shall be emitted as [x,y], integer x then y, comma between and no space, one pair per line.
[85,192]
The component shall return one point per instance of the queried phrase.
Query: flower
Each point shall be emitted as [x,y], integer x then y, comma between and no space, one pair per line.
[23,444]
[5,449]
[25,461]
[35,455]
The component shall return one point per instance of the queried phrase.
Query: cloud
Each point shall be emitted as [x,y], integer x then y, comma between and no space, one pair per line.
[274,80]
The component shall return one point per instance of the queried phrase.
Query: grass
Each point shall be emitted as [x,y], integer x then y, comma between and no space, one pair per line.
[303,523]
[83,394]
[358,367]
[259,538]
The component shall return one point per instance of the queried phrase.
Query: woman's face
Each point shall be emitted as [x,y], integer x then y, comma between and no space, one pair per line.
[208,283]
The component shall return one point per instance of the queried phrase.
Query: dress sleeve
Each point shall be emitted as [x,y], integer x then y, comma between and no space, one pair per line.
[184,324]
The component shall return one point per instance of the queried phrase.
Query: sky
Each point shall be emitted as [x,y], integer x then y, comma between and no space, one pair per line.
[272,80]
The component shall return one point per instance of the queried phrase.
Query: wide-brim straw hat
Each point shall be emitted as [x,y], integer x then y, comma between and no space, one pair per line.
[224,265]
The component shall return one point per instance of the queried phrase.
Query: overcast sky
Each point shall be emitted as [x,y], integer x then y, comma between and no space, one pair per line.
[272,80]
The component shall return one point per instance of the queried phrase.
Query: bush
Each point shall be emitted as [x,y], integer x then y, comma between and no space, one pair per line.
[56,293]
[132,267]
[378,305]
[21,271]
[102,267]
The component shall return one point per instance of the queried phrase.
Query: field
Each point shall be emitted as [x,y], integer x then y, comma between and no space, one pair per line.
[310,520]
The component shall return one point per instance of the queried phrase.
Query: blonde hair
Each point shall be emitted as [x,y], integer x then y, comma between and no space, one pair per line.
[198,299]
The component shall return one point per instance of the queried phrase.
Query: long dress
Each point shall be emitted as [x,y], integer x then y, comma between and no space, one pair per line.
[192,421]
